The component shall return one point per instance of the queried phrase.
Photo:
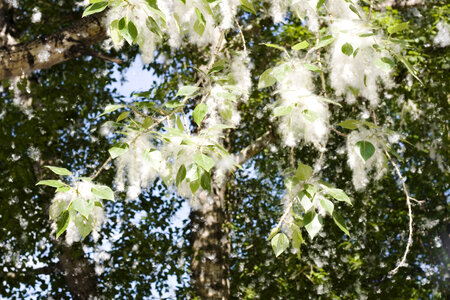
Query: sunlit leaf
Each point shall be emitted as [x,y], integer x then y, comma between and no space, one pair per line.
[62,223]
[280,242]
[340,222]
[103,192]
[366,149]
[339,195]
[59,171]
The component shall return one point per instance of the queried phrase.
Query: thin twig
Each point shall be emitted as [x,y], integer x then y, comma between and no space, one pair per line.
[408,203]
[104,57]
[417,201]
[338,132]
[242,35]
[370,9]
[101,168]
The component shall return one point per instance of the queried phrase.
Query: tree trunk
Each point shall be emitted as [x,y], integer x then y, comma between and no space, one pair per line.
[78,272]
[210,247]
[45,52]
[210,239]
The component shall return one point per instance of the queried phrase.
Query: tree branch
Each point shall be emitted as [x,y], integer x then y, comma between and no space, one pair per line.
[45,52]
[254,148]
[400,4]
[408,203]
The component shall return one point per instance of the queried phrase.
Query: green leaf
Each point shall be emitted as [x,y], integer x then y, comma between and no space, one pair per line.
[274,46]
[181,175]
[62,223]
[397,27]
[325,41]
[327,205]
[194,185]
[310,115]
[199,113]
[303,172]
[118,149]
[63,189]
[385,64]
[123,116]
[314,226]
[408,66]
[110,108]
[103,192]
[282,111]
[205,181]
[200,24]
[312,68]
[83,206]
[153,26]
[319,4]
[187,90]
[305,200]
[148,121]
[95,8]
[248,6]
[280,242]
[123,29]
[340,222]
[174,104]
[180,124]
[272,233]
[83,225]
[349,124]
[132,30]
[339,195]
[347,49]
[326,100]
[301,46]
[281,72]
[266,79]
[116,36]
[59,171]
[297,238]
[204,161]
[310,190]
[52,183]
[366,149]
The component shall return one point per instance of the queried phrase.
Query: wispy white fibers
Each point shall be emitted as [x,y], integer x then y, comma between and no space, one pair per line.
[442,38]
[61,202]
[360,168]
[176,22]
[359,72]
[308,119]
[302,8]
[225,95]
[138,167]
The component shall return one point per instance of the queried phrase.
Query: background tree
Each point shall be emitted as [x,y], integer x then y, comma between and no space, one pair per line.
[49,119]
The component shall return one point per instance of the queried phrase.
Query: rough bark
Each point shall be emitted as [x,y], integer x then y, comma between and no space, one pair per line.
[210,270]
[78,272]
[210,238]
[45,52]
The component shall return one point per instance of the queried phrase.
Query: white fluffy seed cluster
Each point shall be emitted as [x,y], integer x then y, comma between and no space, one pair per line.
[139,166]
[308,119]
[360,168]
[355,73]
[305,9]
[225,97]
[442,38]
[62,200]
[179,22]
